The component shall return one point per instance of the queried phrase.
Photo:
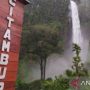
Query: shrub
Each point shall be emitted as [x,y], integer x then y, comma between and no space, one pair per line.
[60,83]
[36,85]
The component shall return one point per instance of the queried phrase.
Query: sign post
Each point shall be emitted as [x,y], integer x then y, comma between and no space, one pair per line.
[11,19]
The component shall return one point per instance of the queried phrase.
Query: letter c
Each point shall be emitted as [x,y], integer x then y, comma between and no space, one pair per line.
[12,2]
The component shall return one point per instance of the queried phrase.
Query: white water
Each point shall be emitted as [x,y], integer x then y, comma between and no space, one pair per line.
[77,36]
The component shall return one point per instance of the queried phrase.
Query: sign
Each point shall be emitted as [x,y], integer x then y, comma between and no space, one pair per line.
[11,19]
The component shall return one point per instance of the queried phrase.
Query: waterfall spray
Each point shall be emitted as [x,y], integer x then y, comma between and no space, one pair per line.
[76,30]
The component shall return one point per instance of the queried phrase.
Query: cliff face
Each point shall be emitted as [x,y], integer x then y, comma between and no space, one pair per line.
[84,8]
[84,13]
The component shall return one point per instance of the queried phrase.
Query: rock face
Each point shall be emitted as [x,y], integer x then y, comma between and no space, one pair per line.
[84,12]
[84,8]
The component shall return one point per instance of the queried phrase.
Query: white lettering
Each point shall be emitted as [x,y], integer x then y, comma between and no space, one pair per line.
[11,11]
[12,2]
[4,59]
[10,21]
[87,82]
[3,72]
[7,34]
[1,85]
[6,46]
[83,83]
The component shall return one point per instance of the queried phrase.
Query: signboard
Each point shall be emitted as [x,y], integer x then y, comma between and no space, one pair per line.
[11,19]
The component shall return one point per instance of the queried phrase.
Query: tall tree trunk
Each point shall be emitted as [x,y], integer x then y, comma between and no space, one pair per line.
[43,68]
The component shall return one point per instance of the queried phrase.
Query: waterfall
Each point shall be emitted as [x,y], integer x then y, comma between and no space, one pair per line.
[77,36]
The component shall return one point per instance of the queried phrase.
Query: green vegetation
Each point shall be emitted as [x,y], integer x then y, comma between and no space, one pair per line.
[61,82]
[46,11]
[44,31]
[40,42]
[78,68]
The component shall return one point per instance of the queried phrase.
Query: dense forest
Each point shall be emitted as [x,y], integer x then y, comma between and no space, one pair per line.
[47,31]
[45,28]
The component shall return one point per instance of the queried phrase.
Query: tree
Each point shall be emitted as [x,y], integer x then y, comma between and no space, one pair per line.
[45,30]
[78,66]
[41,41]
[46,11]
